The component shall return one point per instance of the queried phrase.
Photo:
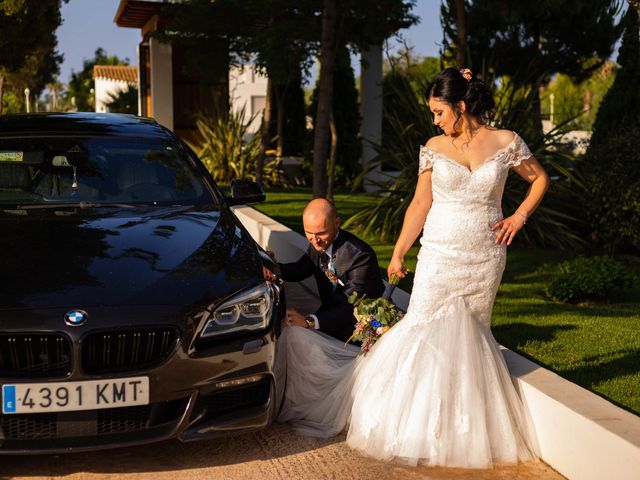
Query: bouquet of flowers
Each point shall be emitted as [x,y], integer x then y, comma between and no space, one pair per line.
[375,315]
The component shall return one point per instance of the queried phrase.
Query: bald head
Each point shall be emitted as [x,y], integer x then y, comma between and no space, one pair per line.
[321,223]
[320,207]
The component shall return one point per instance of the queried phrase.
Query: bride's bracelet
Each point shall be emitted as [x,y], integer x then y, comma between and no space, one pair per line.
[524,216]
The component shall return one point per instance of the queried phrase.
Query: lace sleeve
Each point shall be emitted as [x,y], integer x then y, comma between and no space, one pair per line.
[519,152]
[426,159]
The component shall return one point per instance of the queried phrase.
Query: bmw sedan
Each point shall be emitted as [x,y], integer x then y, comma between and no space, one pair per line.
[133,306]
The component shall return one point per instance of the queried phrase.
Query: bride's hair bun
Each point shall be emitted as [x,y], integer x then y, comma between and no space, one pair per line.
[452,85]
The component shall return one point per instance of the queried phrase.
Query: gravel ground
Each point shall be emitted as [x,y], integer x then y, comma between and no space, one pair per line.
[274,453]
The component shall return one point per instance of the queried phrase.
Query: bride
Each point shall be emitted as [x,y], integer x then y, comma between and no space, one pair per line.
[434,389]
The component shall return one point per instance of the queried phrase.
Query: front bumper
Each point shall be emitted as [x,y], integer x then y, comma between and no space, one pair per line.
[226,388]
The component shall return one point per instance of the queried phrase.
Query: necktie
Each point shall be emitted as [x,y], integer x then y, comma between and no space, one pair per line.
[324,260]
[328,269]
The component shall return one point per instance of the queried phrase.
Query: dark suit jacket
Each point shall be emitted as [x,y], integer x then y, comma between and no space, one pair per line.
[356,266]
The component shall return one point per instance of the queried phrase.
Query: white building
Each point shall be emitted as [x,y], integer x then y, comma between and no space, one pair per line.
[248,90]
[110,80]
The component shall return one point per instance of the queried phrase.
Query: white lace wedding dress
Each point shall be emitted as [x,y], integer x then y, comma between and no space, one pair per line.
[435,388]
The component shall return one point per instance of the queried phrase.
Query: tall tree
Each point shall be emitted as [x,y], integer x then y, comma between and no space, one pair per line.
[361,24]
[461,27]
[611,168]
[28,26]
[621,104]
[264,132]
[530,41]
[39,70]
[345,146]
[81,83]
[281,49]
[328,45]
[293,120]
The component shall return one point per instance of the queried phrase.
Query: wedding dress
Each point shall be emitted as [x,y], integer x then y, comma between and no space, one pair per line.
[435,388]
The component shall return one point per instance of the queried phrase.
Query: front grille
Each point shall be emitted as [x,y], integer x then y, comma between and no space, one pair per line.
[32,426]
[24,355]
[127,350]
[89,423]
[120,420]
[230,400]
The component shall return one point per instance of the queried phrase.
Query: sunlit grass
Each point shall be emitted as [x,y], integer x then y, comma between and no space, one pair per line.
[596,346]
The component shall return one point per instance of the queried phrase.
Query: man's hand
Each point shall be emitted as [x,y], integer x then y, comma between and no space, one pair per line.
[268,275]
[295,318]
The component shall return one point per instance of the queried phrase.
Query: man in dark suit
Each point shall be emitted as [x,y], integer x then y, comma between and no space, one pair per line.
[341,264]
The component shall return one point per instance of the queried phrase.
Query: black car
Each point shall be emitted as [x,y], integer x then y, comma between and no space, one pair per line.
[133,306]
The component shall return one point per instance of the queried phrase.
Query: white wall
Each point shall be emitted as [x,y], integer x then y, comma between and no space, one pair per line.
[104,88]
[161,82]
[248,89]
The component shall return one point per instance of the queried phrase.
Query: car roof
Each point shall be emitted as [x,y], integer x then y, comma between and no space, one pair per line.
[116,124]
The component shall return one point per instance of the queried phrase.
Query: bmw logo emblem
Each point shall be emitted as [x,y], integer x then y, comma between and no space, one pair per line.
[76,317]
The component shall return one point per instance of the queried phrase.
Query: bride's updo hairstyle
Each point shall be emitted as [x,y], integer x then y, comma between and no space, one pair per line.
[452,86]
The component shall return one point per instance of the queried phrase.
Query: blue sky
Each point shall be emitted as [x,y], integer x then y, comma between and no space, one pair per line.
[88,24]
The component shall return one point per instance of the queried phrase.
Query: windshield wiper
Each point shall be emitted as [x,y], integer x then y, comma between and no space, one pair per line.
[81,205]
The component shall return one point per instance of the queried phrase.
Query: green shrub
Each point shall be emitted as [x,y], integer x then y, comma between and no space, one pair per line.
[610,173]
[229,151]
[123,101]
[620,105]
[588,278]
[611,169]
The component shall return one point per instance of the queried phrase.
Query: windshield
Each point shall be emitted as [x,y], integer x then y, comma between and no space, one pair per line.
[53,170]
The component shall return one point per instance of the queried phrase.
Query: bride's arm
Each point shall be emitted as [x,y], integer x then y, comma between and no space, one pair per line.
[532,172]
[414,219]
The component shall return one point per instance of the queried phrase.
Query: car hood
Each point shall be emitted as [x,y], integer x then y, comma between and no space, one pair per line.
[75,258]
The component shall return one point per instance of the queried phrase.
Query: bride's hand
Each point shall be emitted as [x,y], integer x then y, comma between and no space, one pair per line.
[396,266]
[507,228]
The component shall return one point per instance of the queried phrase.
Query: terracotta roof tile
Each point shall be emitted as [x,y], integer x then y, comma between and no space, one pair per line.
[123,73]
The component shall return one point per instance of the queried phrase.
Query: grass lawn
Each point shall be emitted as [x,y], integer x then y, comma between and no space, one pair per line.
[595,346]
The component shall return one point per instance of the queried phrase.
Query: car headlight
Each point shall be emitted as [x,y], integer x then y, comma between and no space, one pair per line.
[248,310]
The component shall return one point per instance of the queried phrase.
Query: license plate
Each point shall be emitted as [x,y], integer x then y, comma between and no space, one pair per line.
[71,396]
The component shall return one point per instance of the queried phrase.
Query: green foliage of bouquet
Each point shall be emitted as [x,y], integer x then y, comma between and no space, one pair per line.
[375,315]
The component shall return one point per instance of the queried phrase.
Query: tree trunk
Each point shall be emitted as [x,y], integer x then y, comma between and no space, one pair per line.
[281,95]
[1,91]
[332,155]
[461,27]
[264,133]
[586,101]
[536,86]
[325,98]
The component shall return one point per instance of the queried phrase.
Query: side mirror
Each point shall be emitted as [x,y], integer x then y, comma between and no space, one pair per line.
[244,192]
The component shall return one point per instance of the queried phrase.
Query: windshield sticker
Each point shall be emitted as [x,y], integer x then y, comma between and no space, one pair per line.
[11,156]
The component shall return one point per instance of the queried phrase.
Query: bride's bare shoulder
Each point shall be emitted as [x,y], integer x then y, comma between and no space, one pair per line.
[435,142]
[500,137]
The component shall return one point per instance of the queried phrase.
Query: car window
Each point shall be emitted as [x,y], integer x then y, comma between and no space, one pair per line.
[97,169]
